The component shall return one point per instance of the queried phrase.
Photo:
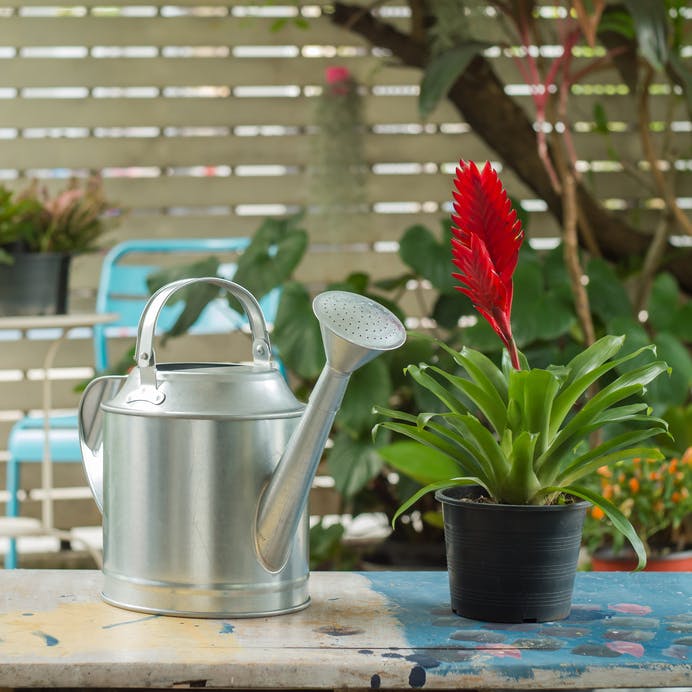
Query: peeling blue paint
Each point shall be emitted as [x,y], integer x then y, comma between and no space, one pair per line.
[129,622]
[48,639]
[226,628]
[594,630]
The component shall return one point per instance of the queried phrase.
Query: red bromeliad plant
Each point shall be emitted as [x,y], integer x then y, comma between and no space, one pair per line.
[487,238]
[520,433]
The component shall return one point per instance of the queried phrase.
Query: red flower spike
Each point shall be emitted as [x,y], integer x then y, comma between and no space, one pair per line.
[485,246]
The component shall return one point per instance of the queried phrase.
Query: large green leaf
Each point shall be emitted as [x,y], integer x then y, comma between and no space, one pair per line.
[668,391]
[274,252]
[428,257]
[482,337]
[663,301]
[352,462]
[679,419]
[418,348]
[667,311]
[368,386]
[449,307]
[421,463]
[607,296]
[441,73]
[682,327]
[651,24]
[542,310]
[665,392]
[297,334]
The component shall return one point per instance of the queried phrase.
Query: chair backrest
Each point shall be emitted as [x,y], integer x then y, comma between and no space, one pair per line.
[123,287]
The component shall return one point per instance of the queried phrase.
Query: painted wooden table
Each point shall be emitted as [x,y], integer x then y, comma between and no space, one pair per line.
[362,630]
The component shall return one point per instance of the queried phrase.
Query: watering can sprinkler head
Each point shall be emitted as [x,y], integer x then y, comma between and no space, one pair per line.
[355,330]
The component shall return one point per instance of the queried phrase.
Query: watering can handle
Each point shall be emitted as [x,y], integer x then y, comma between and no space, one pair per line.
[144,352]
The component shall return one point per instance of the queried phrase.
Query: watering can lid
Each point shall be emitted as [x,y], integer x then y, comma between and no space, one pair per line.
[208,390]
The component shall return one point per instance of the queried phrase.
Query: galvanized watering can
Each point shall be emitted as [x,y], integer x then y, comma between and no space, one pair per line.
[202,470]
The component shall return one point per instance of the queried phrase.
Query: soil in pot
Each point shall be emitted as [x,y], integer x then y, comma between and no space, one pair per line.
[35,284]
[510,563]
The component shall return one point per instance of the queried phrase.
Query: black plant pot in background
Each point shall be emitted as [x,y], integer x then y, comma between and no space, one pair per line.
[35,284]
[510,563]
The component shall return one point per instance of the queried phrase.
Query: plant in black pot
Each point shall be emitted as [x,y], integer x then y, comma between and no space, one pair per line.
[512,442]
[39,235]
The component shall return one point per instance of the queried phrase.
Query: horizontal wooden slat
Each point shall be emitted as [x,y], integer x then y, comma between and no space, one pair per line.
[162,72]
[23,353]
[191,112]
[168,31]
[228,70]
[290,150]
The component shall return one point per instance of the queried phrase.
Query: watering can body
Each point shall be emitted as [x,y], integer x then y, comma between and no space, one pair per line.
[202,472]
[180,491]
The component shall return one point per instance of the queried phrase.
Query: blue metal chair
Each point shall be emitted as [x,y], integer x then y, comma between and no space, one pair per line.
[123,291]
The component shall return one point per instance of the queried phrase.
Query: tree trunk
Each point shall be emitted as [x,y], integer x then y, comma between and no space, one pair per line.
[479,97]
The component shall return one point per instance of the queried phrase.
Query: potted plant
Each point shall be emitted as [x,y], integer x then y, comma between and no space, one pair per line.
[510,444]
[655,497]
[39,234]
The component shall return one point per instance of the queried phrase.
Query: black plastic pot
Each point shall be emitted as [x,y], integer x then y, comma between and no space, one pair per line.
[36,283]
[510,563]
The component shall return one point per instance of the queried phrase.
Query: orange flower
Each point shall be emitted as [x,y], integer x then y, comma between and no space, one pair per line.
[597,513]
[675,496]
[634,485]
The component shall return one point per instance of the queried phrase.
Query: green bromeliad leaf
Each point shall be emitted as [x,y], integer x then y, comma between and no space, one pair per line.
[618,519]
[425,465]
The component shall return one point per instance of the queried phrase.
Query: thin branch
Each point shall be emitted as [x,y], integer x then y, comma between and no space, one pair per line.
[571,254]
[652,261]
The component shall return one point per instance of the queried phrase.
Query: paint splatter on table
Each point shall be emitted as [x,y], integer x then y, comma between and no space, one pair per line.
[367,630]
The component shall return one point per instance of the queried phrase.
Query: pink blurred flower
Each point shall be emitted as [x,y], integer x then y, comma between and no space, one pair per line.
[337,74]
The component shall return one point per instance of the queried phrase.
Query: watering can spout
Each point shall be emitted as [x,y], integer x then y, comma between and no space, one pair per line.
[355,330]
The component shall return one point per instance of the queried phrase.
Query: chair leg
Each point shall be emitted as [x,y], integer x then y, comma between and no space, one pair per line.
[12,509]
